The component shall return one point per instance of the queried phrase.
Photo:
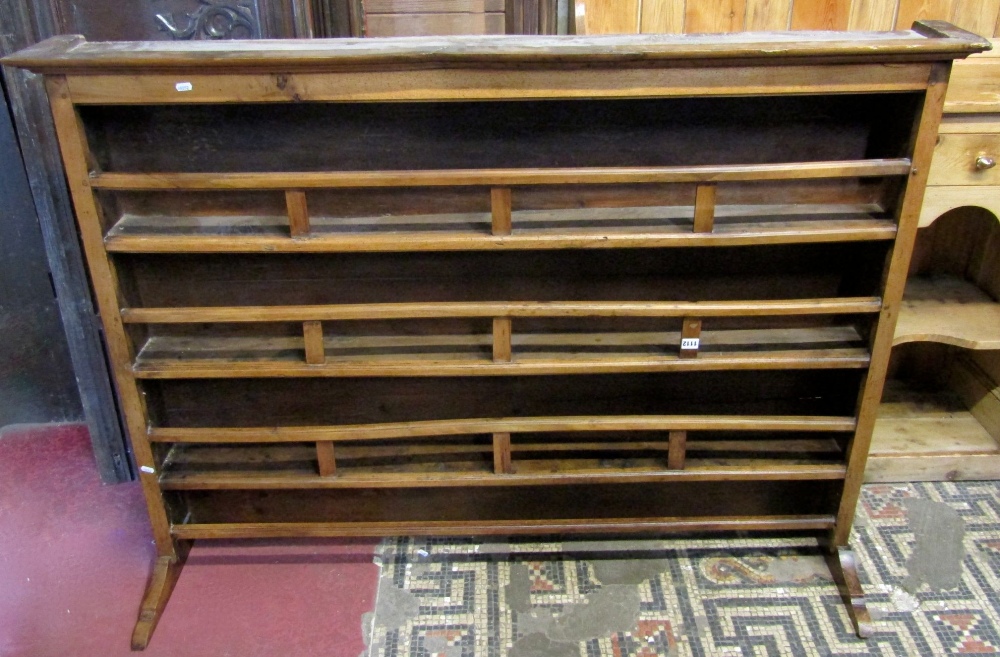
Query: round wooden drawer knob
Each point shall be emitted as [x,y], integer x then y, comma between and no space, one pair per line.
[984,162]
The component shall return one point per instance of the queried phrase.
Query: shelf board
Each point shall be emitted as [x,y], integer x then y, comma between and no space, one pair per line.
[796,523]
[428,428]
[336,312]
[471,355]
[502,177]
[929,436]
[631,227]
[468,461]
[527,473]
[948,310]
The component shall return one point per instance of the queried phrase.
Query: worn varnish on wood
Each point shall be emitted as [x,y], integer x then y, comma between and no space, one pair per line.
[480,286]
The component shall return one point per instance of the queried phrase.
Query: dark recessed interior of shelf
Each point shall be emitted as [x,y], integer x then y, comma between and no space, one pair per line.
[685,500]
[797,271]
[469,135]
[964,243]
[291,402]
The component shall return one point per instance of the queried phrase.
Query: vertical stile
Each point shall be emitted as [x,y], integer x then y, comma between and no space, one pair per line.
[77,158]
[704,208]
[923,141]
[677,450]
[325,458]
[502,350]
[690,337]
[501,454]
[298,212]
[312,332]
[500,207]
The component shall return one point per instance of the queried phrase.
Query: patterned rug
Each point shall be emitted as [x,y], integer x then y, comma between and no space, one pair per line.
[929,554]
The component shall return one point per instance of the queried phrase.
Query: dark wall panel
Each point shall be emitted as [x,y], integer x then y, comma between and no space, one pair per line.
[36,377]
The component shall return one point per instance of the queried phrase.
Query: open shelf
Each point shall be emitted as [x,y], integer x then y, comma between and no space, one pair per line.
[573,508]
[469,354]
[951,296]
[495,176]
[634,227]
[940,414]
[941,422]
[279,467]
[506,452]
[412,142]
[949,310]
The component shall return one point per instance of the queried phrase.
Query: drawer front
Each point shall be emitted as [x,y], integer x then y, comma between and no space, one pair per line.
[966,159]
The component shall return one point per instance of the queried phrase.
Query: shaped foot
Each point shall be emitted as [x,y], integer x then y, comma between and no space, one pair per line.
[166,570]
[844,568]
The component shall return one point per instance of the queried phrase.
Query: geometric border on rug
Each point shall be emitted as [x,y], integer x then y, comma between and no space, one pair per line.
[705,596]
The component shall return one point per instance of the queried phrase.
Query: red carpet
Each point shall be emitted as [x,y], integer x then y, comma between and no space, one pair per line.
[75,555]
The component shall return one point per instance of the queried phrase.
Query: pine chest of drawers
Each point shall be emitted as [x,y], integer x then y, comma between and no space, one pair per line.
[499,286]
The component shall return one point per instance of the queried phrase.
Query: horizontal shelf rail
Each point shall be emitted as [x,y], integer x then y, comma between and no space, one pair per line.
[426,428]
[768,472]
[154,368]
[790,233]
[509,527]
[243,314]
[503,177]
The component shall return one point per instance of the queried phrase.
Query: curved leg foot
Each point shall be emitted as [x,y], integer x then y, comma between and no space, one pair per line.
[166,570]
[845,573]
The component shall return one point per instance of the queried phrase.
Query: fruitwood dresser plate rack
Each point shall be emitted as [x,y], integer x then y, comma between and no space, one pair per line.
[500,285]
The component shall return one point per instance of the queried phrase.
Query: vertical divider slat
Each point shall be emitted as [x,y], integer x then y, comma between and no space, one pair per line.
[502,349]
[502,463]
[298,212]
[677,450]
[704,208]
[690,337]
[500,204]
[325,458]
[312,332]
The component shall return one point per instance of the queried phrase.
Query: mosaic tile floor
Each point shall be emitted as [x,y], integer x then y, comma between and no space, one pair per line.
[929,554]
